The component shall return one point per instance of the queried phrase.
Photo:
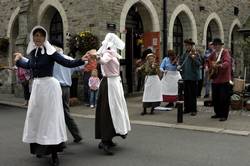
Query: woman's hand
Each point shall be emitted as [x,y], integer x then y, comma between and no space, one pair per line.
[85,57]
[18,56]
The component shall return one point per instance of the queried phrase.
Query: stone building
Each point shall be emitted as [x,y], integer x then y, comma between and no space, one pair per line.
[164,24]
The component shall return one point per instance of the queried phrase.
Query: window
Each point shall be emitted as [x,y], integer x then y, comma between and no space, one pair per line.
[56,28]
[178,37]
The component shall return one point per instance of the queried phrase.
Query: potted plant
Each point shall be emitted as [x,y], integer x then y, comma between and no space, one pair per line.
[78,45]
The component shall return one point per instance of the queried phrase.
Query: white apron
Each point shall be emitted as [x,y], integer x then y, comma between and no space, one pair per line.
[152,89]
[118,106]
[169,83]
[45,123]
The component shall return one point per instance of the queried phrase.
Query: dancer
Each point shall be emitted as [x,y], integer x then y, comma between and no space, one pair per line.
[44,127]
[112,117]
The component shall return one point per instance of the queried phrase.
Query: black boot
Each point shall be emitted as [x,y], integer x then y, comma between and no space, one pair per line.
[152,111]
[144,111]
[104,145]
[54,159]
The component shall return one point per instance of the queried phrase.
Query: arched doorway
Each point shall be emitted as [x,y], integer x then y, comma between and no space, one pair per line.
[212,31]
[209,36]
[178,37]
[137,23]
[134,27]
[235,49]
[12,34]
[56,29]
[52,21]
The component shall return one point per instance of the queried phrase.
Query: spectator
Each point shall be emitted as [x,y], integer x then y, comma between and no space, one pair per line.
[94,83]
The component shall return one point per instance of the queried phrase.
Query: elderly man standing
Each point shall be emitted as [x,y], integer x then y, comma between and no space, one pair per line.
[220,73]
[190,65]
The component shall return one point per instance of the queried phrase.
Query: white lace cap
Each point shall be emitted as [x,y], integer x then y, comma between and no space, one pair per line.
[31,46]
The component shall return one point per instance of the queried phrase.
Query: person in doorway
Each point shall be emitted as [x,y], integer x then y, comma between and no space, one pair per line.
[169,81]
[112,117]
[219,65]
[44,127]
[63,75]
[152,95]
[189,65]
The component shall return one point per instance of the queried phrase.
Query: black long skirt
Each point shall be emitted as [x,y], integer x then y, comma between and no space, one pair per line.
[104,128]
[38,149]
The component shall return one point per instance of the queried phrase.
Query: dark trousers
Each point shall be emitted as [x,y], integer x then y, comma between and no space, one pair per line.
[221,99]
[86,89]
[199,87]
[68,119]
[26,90]
[190,99]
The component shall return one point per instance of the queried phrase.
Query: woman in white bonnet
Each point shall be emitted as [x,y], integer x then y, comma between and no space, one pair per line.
[44,127]
[111,112]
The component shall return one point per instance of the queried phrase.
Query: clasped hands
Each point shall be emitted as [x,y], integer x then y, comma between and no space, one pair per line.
[90,55]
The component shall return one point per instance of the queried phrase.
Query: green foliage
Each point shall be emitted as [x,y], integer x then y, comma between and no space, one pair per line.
[82,42]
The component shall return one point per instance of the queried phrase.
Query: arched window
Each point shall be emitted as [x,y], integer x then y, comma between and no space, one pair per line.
[209,35]
[56,28]
[178,37]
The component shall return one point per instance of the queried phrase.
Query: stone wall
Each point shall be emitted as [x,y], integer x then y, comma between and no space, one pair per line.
[94,15]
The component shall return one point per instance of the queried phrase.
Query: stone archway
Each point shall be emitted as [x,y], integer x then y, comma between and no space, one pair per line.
[150,17]
[216,26]
[46,12]
[188,22]
[235,25]
[12,34]
[149,22]
[149,7]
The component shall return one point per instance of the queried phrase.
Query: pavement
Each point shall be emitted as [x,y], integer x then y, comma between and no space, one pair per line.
[238,122]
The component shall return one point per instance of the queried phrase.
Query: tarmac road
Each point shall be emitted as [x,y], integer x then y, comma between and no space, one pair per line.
[144,146]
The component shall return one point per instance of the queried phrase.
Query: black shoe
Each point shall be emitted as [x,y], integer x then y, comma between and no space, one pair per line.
[222,119]
[112,144]
[144,111]
[54,160]
[105,148]
[77,140]
[215,117]
[193,113]
[152,111]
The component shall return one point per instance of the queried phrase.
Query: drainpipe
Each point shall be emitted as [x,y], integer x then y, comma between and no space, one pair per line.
[165,39]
